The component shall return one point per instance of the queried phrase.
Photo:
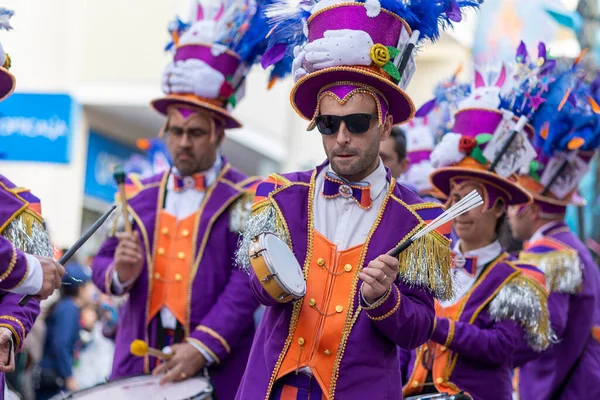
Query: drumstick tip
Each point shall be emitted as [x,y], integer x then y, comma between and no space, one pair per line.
[138,348]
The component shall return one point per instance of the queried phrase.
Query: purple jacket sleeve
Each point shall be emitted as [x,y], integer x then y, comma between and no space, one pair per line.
[405,315]
[494,345]
[13,265]
[231,315]
[103,266]
[16,318]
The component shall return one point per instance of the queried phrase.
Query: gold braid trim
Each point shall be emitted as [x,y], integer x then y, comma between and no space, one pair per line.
[450,333]
[205,347]
[11,264]
[562,269]
[392,311]
[215,335]
[427,263]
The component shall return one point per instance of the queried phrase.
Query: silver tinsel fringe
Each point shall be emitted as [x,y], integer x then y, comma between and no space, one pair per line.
[37,243]
[240,213]
[518,302]
[263,220]
[564,272]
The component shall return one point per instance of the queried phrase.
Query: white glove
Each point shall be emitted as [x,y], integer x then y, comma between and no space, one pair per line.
[339,47]
[192,76]
[298,70]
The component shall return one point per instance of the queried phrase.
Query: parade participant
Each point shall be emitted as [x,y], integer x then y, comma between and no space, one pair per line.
[177,265]
[567,133]
[342,218]
[26,266]
[393,152]
[500,304]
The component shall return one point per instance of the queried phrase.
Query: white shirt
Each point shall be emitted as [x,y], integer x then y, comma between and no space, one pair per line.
[341,220]
[539,233]
[465,281]
[181,204]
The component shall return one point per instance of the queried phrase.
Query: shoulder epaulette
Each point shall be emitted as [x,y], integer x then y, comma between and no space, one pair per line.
[524,299]
[268,186]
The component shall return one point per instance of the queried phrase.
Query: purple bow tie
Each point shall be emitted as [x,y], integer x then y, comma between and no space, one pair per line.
[336,186]
[466,263]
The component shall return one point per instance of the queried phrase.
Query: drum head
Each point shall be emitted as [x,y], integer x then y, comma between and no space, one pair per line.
[147,388]
[282,261]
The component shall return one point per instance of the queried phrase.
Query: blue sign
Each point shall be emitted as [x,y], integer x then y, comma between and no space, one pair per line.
[37,127]
[103,154]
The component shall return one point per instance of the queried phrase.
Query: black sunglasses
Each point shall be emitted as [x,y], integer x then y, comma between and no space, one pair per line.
[356,123]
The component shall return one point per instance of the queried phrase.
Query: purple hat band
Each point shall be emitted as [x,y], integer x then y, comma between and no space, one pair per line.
[384,29]
[344,91]
[474,121]
[415,157]
[226,63]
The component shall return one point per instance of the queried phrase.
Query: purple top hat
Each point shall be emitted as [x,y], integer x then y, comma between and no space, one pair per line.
[355,46]
[211,58]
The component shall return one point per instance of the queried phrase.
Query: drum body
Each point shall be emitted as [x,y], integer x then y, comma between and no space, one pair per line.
[276,268]
[437,396]
[145,387]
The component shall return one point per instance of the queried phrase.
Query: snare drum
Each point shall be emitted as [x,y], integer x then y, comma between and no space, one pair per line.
[276,268]
[145,387]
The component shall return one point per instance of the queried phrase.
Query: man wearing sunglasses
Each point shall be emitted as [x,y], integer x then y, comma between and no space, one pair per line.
[184,290]
[342,219]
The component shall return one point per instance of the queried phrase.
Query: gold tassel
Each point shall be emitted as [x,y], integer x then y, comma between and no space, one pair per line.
[7,62]
[427,263]
[562,269]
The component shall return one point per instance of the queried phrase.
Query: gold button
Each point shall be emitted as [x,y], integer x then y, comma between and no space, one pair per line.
[178,277]
[161,251]
[339,309]
[415,384]
[443,348]
[301,341]
[165,230]
[439,380]
[181,255]
[320,262]
[185,233]
[312,302]
[157,275]
[327,352]
[347,267]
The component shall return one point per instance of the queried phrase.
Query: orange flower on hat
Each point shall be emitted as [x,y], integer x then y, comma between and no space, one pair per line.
[466,144]
[380,54]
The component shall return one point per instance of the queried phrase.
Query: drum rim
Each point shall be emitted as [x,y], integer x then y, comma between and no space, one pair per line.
[268,262]
[210,387]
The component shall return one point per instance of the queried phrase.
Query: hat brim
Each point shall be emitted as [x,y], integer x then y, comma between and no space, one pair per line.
[305,93]
[162,106]
[7,83]
[535,189]
[441,179]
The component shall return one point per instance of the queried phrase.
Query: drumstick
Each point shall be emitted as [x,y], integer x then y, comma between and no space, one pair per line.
[67,256]
[467,203]
[119,176]
[139,348]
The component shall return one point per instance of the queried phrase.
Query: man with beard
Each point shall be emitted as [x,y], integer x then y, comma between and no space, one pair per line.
[176,266]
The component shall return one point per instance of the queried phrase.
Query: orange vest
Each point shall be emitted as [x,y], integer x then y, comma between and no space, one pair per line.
[441,360]
[174,256]
[322,319]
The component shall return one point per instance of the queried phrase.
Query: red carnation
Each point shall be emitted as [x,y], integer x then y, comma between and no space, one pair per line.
[466,144]
[226,90]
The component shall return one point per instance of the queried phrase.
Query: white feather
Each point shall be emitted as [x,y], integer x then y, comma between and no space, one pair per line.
[447,153]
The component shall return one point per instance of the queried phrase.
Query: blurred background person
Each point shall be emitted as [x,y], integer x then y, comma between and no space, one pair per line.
[393,152]
[62,342]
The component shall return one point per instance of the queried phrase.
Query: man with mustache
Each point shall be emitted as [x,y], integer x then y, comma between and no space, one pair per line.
[177,265]
[340,340]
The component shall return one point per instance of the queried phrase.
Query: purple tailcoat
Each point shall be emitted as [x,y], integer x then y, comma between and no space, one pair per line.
[483,347]
[573,317]
[12,316]
[221,299]
[369,367]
